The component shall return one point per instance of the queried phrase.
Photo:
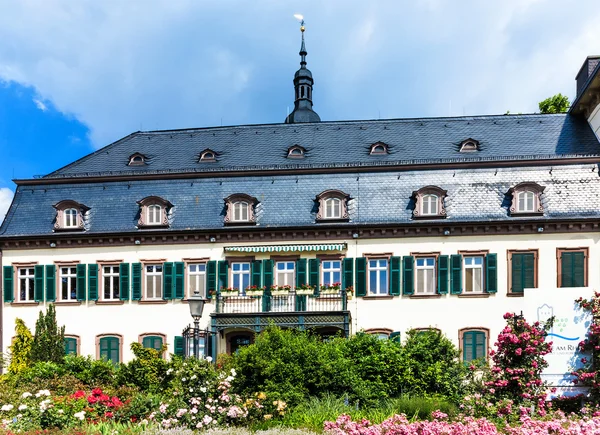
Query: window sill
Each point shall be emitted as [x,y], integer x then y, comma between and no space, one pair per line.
[66,303]
[526,214]
[332,220]
[473,295]
[152,227]
[431,296]
[115,302]
[372,297]
[151,302]
[64,230]
[515,295]
[429,217]
[238,224]
[24,304]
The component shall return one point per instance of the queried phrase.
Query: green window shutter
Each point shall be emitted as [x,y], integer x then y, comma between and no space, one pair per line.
[361,276]
[395,337]
[38,290]
[443,263]
[314,266]
[211,276]
[572,269]
[168,280]
[456,262]
[50,283]
[152,342]
[408,274]
[223,266]
[179,280]
[81,284]
[491,273]
[566,269]
[578,269]
[395,276]
[517,273]
[347,273]
[7,282]
[301,272]
[124,281]
[178,346]
[136,281]
[474,345]
[257,273]
[267,267]
[92,282]
[528,271]
[109,349]
[70,346]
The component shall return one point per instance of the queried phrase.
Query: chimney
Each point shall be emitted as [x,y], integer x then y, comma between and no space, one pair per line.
[585,72]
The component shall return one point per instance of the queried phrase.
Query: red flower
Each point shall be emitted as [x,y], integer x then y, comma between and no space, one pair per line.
[91,400]
[96,391]
[78,394]
[108,414]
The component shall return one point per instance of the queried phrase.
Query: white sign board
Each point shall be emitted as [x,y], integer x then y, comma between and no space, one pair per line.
[570,327]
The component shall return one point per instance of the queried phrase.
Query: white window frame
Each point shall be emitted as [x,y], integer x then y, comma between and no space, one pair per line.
[156,276]
[27,279]
[243,209]
[240,274]
[330,270]
[431,201]
[429,287]
[151,213]
[524,196]
[378,268]
[71,277]
[288,273]
[475,267]
[333,208]
[114,277]
[198,277]
[70,218]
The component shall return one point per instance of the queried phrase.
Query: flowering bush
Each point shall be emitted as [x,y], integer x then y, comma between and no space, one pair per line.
[589,374]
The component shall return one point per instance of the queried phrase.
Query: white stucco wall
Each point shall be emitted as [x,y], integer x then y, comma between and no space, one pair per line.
[449,313]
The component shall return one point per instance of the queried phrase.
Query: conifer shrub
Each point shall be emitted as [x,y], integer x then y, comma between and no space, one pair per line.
[20,349]
[49,340]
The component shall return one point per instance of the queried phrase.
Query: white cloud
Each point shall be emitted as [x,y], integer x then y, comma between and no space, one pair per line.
[40,105]
[6,196]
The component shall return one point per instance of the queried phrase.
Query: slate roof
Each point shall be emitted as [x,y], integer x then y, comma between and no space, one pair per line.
[571,191]
[343,144]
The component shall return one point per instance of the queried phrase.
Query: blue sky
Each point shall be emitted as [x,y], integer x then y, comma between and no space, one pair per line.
[76,75]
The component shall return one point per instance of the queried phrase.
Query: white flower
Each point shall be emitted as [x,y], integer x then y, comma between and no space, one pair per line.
[203,389]
[193,377]
[25,395]
[22,407]
[7,407]
[191,390]
[209,359]
[207,419]
[169,371]
[233,373]
[183,379]
[79,415]
[60,411]
[42,393]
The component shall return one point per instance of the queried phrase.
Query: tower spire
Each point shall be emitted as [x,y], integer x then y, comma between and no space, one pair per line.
[303,85]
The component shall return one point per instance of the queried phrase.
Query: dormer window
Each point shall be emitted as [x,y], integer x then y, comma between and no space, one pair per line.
[526,200]
[137,159]
[469,146]
[379,148]
[240,209]
[429,203]
[296,152]
[154,212]
[333,205]
[208,156]
[69,216]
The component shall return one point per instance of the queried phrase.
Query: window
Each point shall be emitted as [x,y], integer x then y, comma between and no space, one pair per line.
[331,272]
[110,283]
[237,341]
[240,209]
[474,344]
[526,199]
[522,270]
[154,212]
[332,204]
[240,276]
[154,277]
[429,203]
[70,217]
[380,333]
[572,267]
[296,152]
[109,348]
[68,283]
[201,346]
[137,159]
[153,342]
[284,274]
[71,345]
[425,279]
[378,277]
[26,284]
[197,279]
[473,274]
[208,156]
[469,146]
[378,148]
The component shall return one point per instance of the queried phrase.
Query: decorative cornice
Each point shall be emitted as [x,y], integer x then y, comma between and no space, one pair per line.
[307,234]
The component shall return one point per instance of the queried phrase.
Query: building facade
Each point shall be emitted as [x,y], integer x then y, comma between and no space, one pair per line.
[381,226]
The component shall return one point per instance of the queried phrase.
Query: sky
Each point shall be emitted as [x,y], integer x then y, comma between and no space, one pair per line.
[76,75]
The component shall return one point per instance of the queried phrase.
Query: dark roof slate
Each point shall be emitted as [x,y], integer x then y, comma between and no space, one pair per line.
[331,144]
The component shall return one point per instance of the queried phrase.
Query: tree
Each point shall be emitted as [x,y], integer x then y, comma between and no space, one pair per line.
[20,349]
[49,341]
[556,104]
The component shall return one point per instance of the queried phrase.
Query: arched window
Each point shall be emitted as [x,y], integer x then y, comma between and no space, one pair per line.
[154,214]
[474,344]
[240,209]
[71,345]
[527,199]
[296,152]
[152,341]
[137,159]
[108,348]
[70,218]
[469,146]
[429,203]
[378,148]
[332,205]
[208,155]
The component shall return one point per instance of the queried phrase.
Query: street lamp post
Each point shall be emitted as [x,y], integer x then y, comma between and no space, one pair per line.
[196,303]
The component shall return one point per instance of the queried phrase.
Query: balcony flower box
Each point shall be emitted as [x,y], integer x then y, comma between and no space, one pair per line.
[229,292]
[255,291]
[280,290]
[331,289]
[305,291]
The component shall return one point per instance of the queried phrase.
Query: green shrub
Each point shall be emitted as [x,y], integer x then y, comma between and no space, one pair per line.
[20,349]
[147,371]
[49,340]
[93,373]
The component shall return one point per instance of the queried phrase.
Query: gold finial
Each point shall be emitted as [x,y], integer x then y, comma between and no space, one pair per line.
[300,18]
